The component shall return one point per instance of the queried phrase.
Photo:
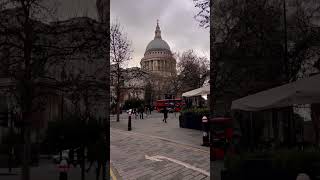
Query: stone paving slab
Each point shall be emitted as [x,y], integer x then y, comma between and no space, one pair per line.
[153,125]
[46,171]
[128,151]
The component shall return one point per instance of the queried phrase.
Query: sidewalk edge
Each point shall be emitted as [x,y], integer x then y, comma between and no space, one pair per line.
[114,173]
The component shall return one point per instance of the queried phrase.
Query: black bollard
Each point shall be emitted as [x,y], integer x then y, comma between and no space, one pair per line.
[63,176]
[10,161]
[129,123]
[205,129]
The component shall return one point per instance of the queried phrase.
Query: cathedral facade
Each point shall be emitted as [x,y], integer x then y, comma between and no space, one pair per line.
[159,62]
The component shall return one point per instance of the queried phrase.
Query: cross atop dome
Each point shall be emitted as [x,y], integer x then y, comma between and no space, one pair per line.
[158,31]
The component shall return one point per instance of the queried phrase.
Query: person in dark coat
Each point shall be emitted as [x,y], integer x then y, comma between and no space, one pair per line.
[141,111]
[165,115]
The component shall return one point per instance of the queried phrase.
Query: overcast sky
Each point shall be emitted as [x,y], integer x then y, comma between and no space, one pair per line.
[138,19]
[176,18]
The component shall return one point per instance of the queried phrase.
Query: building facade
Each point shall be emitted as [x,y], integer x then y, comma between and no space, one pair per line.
[159,62]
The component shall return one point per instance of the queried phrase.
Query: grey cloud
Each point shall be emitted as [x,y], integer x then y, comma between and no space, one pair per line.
[138,18]
[178,26]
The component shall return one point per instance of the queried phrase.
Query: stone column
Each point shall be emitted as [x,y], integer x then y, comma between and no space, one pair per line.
[166,65]
[157,65]
[162,66]
[152,62]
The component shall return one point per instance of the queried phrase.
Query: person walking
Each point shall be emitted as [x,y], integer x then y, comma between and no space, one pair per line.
[150,109]
[63,169]
[135,113]
[146,110]
[165,115]
[141,111]
[99,157]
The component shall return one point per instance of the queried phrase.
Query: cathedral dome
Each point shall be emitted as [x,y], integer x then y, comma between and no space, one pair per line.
[158,44]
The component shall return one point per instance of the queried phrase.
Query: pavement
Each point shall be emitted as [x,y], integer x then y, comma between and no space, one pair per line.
[153,150]
[46,171]
[157,150]
[152,125]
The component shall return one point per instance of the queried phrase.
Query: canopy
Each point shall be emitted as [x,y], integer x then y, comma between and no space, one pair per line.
[205,90]
[304,91]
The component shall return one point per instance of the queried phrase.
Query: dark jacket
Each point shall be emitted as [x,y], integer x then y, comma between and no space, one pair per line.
[165,113]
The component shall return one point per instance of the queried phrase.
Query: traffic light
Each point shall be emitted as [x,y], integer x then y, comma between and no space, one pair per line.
[4,119]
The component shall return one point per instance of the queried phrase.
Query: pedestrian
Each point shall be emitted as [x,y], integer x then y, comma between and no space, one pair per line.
[98,157]
[63,169]
[165,115]
[135,113]
[146,110]
[101,157]
[71,156]
[150,109]
[141,111]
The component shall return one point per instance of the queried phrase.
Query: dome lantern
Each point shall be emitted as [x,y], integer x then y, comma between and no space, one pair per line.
[158,31]
[158,43]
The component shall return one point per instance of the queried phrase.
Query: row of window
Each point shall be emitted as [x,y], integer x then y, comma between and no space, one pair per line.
[157,52]
[168,66]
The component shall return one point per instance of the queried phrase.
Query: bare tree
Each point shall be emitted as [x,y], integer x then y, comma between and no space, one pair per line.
[22,59]
[88,69]
[120,54]
[103,7]
[192,69]
[29,49]
[247,29]
[203,16]
[174,85]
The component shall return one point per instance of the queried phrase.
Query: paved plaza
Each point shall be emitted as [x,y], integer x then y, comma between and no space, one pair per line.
[46,171]
[142,157]
[152,125]
[156,150]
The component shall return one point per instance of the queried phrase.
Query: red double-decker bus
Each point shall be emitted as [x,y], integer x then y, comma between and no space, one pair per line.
[173,105]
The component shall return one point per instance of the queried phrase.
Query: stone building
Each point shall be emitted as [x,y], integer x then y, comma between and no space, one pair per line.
[52,89]
[159,62]
[133,83]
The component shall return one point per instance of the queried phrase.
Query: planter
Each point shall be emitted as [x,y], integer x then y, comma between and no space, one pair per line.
[225,175]
[190,121]
[181,122]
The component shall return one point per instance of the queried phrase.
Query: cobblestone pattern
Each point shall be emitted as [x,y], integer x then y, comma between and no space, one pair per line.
[128,152]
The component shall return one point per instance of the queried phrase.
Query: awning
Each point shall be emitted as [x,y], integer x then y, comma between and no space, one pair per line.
[304,91]
[205,90]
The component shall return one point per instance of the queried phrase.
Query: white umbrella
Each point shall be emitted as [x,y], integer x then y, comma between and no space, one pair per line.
[205,90]
[304,91]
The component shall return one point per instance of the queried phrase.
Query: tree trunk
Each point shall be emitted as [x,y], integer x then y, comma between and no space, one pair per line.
[213,65]
[26,149]
[118,91]
[83,163]
[315,116]
[118,105]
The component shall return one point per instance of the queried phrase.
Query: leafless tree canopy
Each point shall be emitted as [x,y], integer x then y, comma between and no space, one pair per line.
[203,16]
[33,53]
[192,70]
[120,54]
